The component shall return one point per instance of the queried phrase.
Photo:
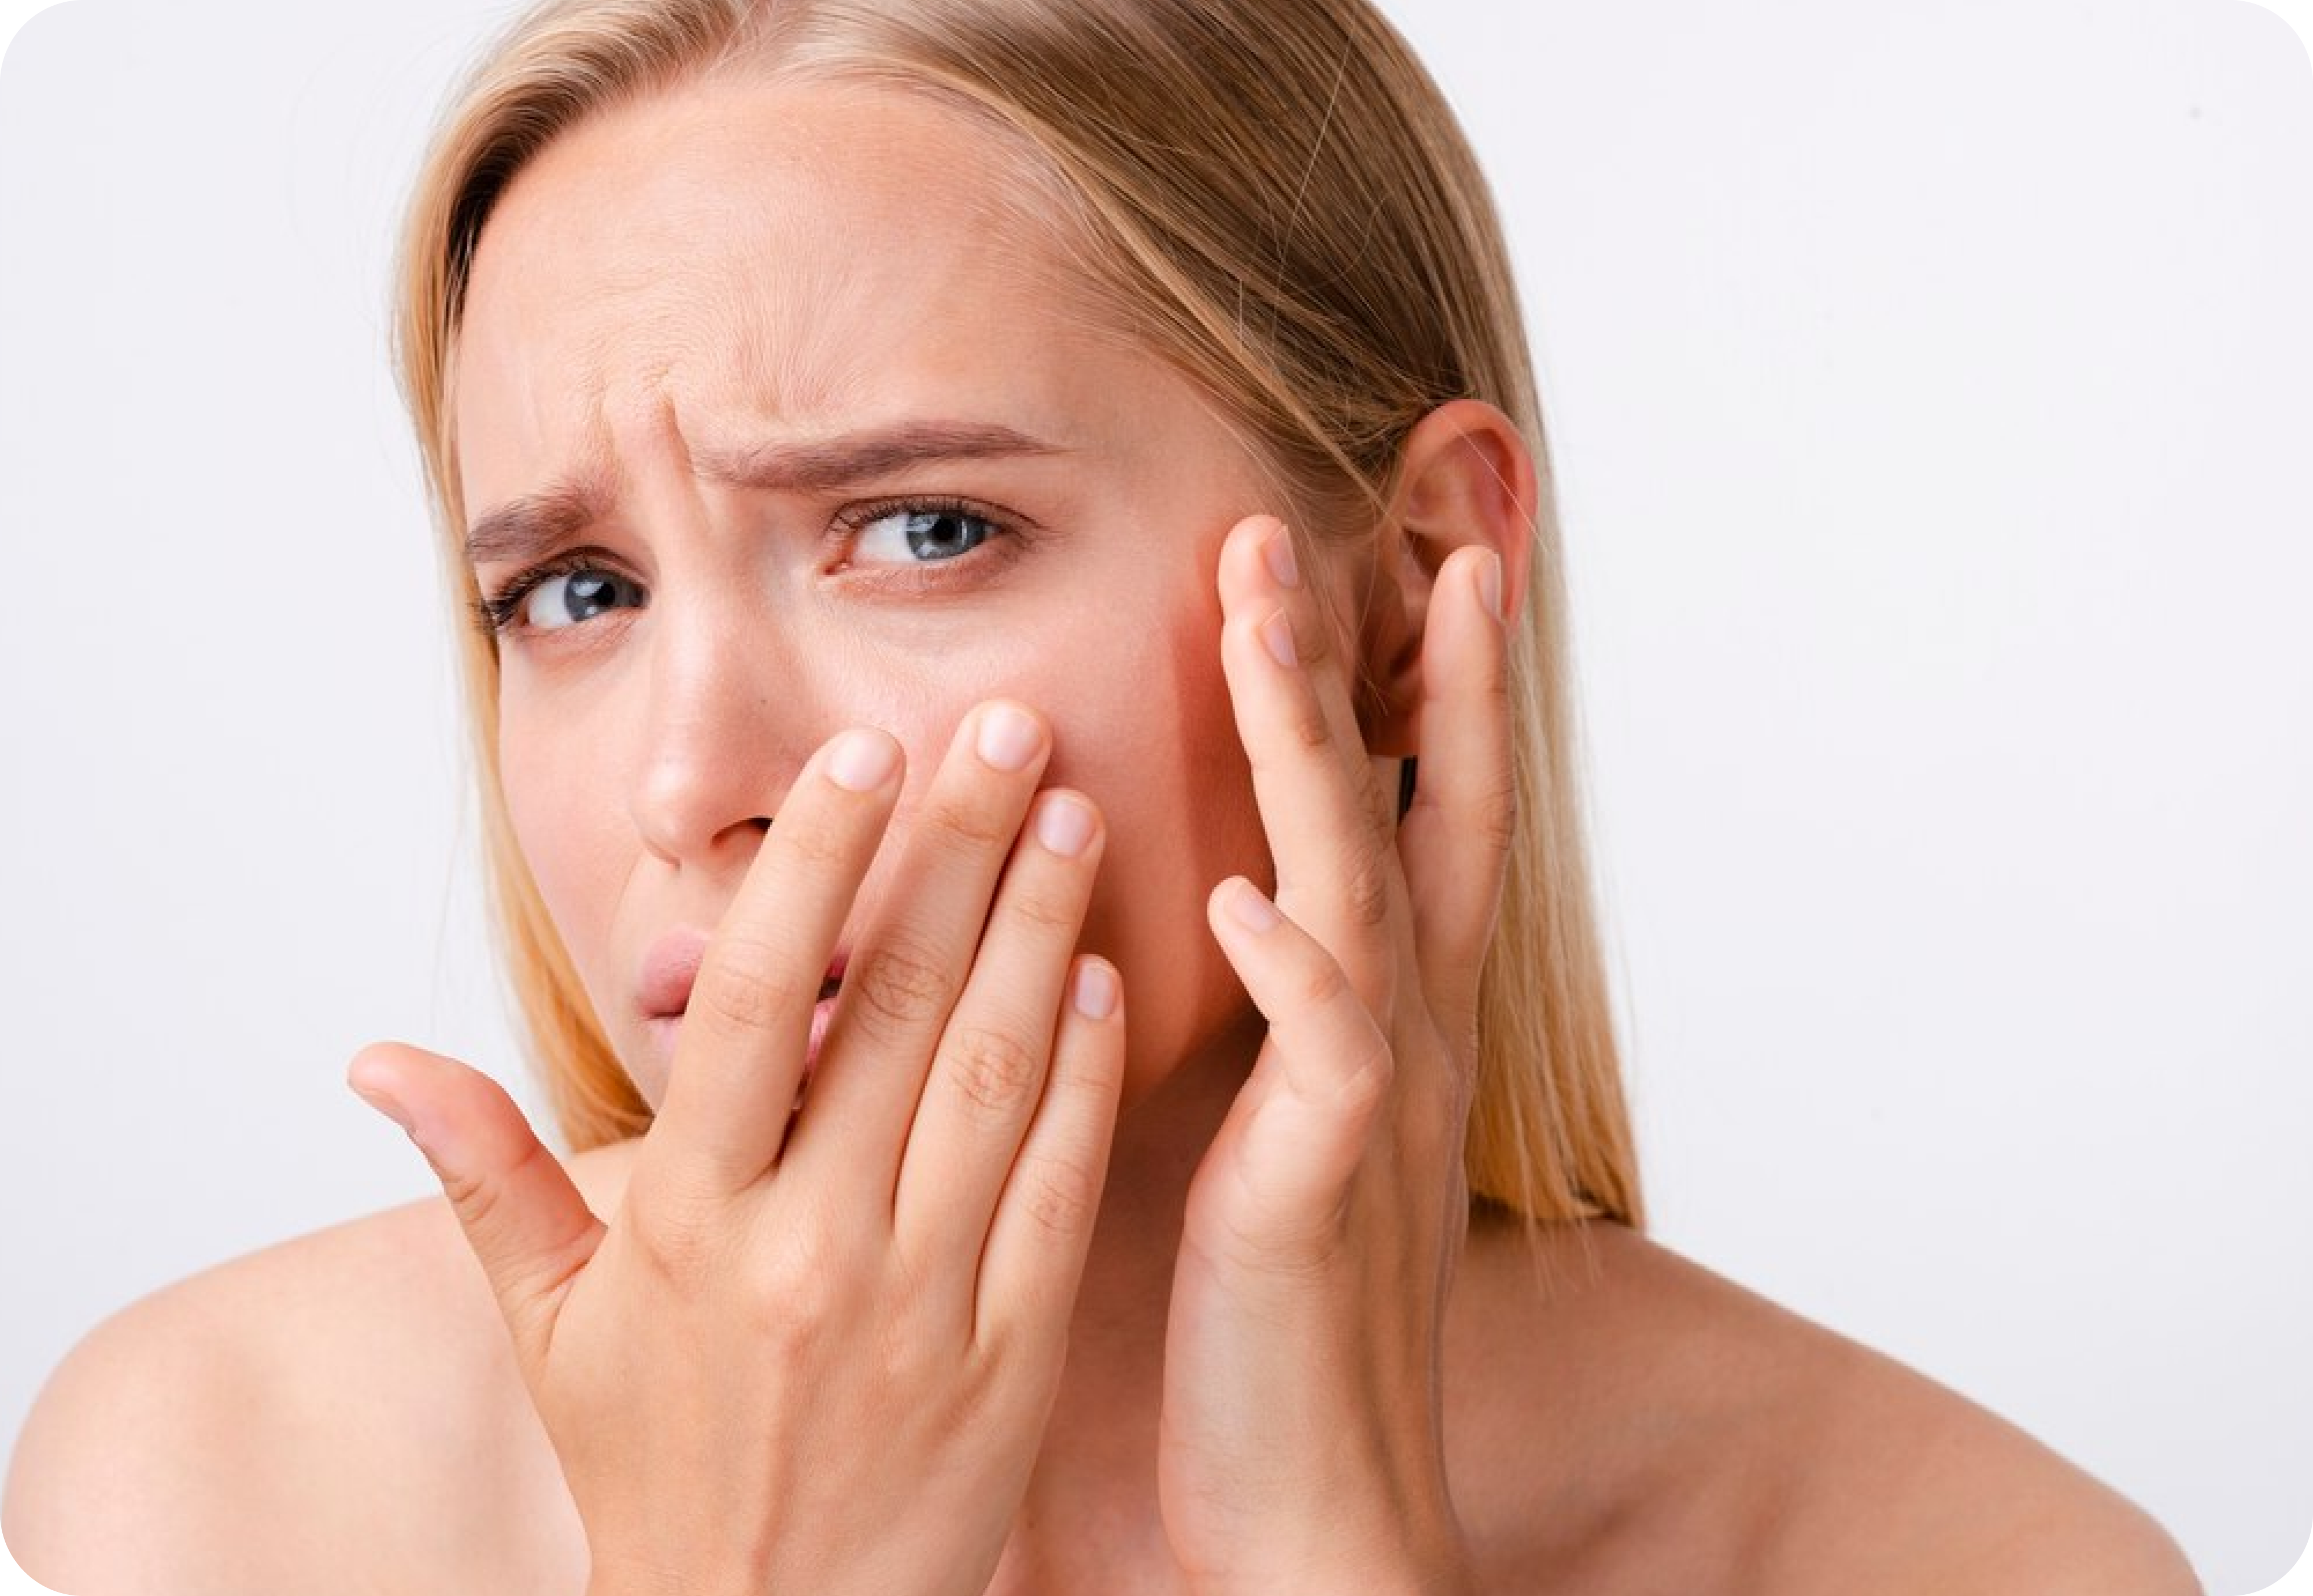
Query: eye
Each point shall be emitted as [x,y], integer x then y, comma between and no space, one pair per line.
[920,534]
[549,599]
[571,596]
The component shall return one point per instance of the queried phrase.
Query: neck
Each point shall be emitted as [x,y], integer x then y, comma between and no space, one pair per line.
[1093,1490]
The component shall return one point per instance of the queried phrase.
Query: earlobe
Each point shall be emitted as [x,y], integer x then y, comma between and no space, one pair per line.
[1465,476]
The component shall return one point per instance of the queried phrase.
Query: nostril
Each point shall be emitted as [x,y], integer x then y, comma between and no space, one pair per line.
[761,822]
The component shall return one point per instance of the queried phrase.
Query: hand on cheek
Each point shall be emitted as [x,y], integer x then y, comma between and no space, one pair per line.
[816,1348]
[1301,1444]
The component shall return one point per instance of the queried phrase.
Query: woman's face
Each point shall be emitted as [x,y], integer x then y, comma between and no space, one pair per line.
[778,402]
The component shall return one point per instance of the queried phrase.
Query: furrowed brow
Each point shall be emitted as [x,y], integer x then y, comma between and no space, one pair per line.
[525,529]
[821,464]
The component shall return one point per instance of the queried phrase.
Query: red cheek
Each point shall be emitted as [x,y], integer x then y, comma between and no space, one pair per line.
[1159,753]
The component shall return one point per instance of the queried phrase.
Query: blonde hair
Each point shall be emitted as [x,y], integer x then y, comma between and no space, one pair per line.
[1273,195]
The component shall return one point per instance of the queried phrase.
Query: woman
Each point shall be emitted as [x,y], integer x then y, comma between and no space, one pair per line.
[970,516]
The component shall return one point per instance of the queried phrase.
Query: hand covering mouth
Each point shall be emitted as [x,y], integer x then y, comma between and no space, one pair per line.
[672,970]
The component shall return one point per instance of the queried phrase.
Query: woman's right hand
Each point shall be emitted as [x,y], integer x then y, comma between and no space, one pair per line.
[816,1348]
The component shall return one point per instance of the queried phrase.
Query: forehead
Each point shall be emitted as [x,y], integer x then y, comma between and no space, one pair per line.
[782,256]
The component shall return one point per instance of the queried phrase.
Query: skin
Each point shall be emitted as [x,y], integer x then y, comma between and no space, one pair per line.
[1122,1209]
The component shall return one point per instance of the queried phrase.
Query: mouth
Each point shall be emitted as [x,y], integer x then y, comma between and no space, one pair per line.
[663,997]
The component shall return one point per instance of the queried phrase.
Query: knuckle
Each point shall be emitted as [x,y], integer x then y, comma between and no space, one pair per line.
[488,1211]
[1312,732]
[748,987]
[802,1288]
[1061,1196]
[1489,815]
[796,1271]
[969,828]
[994,1071]
[474,1198]
[817,844]
[675,1242]
[1299,1246]
[1047,908]
[1323,983]
[901,984]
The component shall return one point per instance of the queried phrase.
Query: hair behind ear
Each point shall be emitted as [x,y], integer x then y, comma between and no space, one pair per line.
[1550,1129]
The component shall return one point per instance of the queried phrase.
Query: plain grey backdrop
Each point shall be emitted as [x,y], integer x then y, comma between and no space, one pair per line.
[1930,390]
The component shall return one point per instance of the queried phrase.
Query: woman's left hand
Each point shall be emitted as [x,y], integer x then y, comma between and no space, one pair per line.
[1302,1445]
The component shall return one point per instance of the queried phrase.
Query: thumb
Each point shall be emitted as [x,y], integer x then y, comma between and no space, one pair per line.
[524,1218]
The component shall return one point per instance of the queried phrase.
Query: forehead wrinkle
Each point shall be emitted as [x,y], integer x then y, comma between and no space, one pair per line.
[531,524]
[785,364]
[791,335]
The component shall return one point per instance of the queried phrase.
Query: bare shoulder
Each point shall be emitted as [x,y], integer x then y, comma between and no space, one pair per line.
[1737,1447]
[222,1432]
[239,1430]
[1896,1480]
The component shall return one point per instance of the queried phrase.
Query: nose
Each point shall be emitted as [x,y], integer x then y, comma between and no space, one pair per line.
[728,723]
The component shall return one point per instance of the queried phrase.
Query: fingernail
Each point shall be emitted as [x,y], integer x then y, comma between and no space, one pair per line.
[1006,738]
[1277,632]
[1278,551]
[862,761]
[1064,825]
[1489,584]
[1094,991]
[1250,909]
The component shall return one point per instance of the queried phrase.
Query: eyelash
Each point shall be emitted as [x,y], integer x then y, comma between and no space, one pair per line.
[1003,528]
[500,614]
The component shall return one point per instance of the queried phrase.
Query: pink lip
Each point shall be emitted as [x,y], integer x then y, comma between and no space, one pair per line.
[671,969]
[668,972]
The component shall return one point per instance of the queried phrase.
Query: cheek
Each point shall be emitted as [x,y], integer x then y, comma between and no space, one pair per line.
[1142,722]
[571,828]
[1154,741]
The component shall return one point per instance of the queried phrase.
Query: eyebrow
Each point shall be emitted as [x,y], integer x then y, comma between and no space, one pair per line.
[523,529]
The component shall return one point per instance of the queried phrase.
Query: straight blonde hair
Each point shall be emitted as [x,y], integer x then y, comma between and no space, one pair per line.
[1271,194]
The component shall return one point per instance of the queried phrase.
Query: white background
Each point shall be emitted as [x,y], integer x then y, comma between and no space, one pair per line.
[1931,389]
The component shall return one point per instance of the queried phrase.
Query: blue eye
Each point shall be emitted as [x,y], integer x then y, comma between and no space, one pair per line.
[565,598]
[920,535]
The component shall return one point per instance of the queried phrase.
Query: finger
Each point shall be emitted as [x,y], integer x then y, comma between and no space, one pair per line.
[1304,1129]
[989,1073]
[1328,825]
[525,1221]
[912,959]
[1455,838]
[1034,1259]
[740,1059]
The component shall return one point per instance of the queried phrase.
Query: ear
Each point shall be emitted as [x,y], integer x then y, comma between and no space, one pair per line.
[1465,476]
